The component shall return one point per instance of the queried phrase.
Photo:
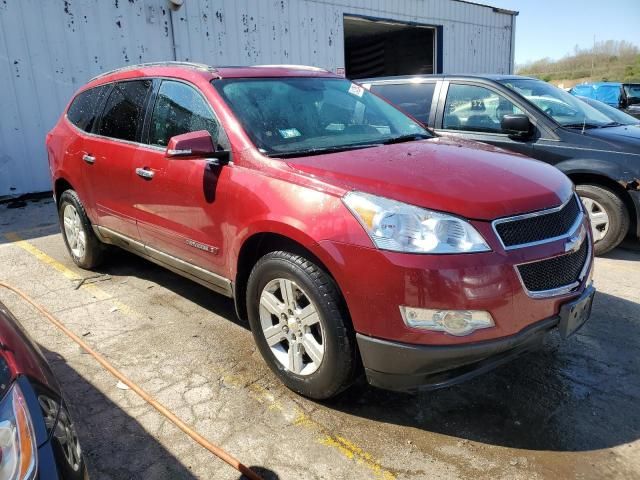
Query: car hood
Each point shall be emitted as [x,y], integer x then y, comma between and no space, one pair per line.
[26,357]
[470,179]
[629,135]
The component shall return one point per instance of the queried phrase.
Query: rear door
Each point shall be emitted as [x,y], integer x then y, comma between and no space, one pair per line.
[110,156]
[414,98]
[83,113]
[475,111]
[181,204]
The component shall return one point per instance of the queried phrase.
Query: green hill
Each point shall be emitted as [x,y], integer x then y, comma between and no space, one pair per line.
[613,61]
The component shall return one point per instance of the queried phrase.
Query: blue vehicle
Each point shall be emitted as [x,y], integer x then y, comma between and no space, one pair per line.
[623,96]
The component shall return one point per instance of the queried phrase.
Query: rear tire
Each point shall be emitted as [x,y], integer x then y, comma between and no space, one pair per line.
[82,244]
[608,215]
[297,306]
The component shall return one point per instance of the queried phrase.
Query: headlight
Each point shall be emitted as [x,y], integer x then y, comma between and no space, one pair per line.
[19,458]
[401,227]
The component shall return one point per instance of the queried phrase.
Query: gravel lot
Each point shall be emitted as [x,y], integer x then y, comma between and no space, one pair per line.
[571,410]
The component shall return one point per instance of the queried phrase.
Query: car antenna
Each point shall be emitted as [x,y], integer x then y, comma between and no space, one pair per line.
[584,123]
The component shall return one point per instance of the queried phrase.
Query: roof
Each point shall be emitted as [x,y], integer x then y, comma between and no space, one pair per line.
[210,72]
[599,84]
[495,9]
[488,76]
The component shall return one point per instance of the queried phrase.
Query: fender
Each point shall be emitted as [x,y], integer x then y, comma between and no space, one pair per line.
[629,181]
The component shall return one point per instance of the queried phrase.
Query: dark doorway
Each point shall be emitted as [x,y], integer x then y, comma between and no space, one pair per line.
[374,48]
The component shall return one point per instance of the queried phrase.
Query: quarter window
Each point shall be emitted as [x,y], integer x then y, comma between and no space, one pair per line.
[122,114]
[180,109]
[476,109]
[83,111]
[412,98]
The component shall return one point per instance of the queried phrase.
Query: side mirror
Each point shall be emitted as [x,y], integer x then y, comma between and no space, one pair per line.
[516,125]
[196,145]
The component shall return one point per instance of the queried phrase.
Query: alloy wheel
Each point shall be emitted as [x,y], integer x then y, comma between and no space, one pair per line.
[74,231]
[598,216]
[292,327]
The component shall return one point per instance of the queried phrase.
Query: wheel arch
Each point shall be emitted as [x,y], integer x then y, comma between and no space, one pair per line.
[60,185]
[581,178]
[259,244]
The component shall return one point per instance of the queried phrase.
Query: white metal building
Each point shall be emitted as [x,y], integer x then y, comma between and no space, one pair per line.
[49,48]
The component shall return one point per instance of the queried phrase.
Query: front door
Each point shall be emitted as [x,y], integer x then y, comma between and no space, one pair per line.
[475,112]
[180,203]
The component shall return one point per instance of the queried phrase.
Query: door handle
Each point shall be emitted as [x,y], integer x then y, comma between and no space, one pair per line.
[89,159]
[144,173]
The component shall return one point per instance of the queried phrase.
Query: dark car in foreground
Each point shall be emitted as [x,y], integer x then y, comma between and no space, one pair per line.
[541,121]
[348,235]
[37,436]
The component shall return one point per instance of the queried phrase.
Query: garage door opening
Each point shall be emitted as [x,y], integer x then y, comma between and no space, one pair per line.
[374,48]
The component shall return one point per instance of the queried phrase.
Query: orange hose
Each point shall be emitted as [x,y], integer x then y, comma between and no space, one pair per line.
[217,451]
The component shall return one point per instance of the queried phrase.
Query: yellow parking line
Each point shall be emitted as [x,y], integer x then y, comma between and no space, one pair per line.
[344,447]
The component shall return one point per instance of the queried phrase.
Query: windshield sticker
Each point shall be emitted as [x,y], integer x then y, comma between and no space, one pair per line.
[356,90]
[335,127]
[289,132]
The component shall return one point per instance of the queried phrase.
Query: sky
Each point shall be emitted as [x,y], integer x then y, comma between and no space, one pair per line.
[551,28]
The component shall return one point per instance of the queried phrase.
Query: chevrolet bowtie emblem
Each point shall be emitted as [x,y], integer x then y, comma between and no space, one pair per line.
[574,242]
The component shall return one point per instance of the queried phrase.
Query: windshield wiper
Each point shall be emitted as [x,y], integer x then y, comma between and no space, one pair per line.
[582,125]
[320,151]
[406,138]
[613,124]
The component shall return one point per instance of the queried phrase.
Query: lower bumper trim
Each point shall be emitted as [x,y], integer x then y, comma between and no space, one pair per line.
[408,367]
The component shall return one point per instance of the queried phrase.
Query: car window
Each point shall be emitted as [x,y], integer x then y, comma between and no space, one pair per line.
[122,114]
[302,115]
[180,109]
[476,109]
[83,111]
[412,98]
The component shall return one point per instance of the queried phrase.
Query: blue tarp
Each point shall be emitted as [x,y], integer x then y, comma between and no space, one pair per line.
[607,92]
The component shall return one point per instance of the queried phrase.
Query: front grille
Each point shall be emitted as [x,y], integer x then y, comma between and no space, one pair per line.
[555,272]
[538,227]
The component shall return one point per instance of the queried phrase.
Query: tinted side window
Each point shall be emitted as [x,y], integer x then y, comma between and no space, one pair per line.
[180,109]
[476,109]
[413,98]
[83,111]
[123,112]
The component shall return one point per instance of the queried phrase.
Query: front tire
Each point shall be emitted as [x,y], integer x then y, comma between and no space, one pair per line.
[83,245]
[300,325]
[608,215]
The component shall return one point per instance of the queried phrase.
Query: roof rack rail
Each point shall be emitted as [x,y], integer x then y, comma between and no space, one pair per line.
[198,66]
[297,67]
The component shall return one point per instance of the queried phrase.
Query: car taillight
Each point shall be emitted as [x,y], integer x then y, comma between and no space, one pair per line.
[19,458]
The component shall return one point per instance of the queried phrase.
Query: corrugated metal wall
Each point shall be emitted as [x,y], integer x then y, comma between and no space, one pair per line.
[49,48]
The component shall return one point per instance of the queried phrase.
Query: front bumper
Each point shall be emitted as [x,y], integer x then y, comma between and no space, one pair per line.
[406,367]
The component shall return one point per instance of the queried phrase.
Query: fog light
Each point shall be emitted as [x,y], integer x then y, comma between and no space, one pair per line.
[453,322]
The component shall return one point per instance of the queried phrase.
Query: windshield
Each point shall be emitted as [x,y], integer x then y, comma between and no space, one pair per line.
[285,116]
[613,113]
[557,104]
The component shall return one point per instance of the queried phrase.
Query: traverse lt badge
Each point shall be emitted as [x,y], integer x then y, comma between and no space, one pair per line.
[202,246]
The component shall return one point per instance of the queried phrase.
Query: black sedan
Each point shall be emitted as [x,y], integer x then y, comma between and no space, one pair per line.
[37,436]
[539,120]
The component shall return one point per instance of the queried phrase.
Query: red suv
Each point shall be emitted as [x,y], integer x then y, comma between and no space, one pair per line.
[348,235]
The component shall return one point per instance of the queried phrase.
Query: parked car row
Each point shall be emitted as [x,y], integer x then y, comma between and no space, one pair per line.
[599,150]
[622,96]
[351,237]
